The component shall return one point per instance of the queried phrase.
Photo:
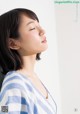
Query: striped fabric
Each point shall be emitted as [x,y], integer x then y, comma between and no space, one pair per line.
[19,96]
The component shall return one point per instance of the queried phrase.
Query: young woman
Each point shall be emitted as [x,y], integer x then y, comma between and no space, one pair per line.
[22,39]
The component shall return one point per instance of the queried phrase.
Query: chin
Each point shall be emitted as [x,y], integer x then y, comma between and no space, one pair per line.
[44,48]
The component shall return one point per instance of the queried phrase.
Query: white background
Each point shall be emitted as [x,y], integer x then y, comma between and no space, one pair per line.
[47,68]
[68,37]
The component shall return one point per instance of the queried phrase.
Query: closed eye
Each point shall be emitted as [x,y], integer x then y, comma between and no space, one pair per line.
[32,29]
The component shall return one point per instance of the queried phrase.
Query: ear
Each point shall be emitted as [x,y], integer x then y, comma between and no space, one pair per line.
[14,44]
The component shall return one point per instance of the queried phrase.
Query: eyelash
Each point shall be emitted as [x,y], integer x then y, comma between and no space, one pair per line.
[32,29]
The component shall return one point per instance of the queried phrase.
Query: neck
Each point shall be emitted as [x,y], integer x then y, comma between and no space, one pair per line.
[28,64]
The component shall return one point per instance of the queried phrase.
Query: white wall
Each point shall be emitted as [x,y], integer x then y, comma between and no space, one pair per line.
[68,38]
[47,68]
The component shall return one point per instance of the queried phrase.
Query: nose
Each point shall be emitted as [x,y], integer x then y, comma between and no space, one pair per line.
[41,31]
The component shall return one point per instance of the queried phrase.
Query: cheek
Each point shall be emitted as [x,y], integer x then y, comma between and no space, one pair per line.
[33,38]
[30,39]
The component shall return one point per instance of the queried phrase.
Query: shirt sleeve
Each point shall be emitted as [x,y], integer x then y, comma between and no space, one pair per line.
[13,101]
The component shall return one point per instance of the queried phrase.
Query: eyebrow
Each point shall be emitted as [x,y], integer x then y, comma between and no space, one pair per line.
[30,22]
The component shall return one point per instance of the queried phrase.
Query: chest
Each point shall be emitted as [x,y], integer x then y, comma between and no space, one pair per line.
[39,86]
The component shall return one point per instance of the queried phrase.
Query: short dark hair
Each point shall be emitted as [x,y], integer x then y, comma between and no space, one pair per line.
[9,24]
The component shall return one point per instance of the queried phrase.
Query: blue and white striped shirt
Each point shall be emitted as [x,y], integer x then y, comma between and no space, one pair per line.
[19,96]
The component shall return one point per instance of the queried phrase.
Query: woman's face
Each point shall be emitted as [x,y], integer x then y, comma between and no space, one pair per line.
[32,37]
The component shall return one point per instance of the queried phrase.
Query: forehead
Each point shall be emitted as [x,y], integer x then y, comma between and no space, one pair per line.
[26,19]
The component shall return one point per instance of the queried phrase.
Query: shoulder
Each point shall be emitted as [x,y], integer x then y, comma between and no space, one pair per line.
[17,92]
[15,88]
[14,83]
[11,81]
[15,80]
